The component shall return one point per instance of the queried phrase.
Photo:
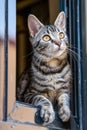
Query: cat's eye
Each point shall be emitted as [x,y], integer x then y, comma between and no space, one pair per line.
[61,35]
[46,38]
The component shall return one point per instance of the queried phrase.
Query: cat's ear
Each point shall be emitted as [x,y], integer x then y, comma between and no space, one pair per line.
[61,21]
[34,25]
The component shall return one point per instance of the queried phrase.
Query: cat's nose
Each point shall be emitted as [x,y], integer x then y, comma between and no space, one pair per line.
[57,43]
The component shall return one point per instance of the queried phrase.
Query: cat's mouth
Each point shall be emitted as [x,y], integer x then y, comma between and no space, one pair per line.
[59,49]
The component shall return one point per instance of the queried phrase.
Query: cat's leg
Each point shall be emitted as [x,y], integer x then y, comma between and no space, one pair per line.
[46,113]
[64,107]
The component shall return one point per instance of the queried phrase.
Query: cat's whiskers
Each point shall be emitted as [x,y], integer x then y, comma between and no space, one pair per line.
[75,53]
[75,48]
[73,57]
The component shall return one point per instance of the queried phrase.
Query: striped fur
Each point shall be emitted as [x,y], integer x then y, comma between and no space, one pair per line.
[50,78]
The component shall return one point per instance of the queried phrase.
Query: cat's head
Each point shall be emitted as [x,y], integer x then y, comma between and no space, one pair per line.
[49,40]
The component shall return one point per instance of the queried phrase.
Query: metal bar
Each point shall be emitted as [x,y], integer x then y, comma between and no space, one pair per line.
[74,42]
[63,5]
[6,61]
[70,35]
[79,61]
[84,60]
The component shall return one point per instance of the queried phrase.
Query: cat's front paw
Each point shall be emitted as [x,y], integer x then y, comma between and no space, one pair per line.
[47,114]
[64,113]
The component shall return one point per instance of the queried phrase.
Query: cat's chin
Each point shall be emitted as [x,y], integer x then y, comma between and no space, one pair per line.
[62,55]
[59,51]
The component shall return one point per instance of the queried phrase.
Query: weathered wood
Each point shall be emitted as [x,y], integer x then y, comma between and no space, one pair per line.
[11,75]
[22,113]
[1,79]
[18,126]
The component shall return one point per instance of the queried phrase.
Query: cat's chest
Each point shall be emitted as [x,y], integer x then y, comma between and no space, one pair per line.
[54,78]
[56,81]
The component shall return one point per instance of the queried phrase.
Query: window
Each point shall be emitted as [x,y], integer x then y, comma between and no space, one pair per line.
[13,57]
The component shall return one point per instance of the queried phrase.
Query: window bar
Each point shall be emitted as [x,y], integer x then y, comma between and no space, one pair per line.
[70,34]
[79,61]
[76,40]
[6,61]
[71,6]
[74,43]
[63,5]
[84,60]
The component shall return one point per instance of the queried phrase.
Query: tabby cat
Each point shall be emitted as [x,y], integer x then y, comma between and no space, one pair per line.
[49,84]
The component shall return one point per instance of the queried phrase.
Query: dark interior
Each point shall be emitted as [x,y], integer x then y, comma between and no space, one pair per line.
[40,8]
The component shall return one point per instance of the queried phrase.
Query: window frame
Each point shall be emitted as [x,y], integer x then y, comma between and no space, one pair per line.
[12,113]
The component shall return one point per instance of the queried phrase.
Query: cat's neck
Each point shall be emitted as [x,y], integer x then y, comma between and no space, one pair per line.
[56,62]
